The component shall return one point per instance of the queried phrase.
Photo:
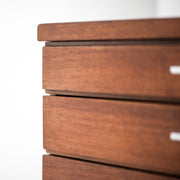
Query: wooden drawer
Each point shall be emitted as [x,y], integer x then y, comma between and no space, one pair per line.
[55,168]
[133,72]
[132,134]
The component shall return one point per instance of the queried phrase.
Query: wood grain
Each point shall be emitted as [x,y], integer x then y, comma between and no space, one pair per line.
[129,134]
[111,30]
[55,168]
[140,72]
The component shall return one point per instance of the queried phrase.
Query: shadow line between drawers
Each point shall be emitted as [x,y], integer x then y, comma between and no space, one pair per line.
[114,97]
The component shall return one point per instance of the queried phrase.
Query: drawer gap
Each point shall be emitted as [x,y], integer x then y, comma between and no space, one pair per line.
[113,97]
[113,42]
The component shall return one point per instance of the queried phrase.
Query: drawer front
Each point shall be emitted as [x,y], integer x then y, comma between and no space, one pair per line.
[141,72]
[55,168]
[131,134]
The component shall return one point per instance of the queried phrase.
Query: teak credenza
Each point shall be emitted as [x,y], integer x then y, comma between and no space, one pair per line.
[113,109]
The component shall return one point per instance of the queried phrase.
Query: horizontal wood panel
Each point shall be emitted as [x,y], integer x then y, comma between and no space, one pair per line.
[110,30]
[124,133]
[55,168]
[140,72]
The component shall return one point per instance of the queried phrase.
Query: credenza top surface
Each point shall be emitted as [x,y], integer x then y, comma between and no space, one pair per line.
[142,29]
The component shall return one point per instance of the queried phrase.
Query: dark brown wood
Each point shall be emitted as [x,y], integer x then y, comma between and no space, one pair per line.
[140,72]
[55,168]
[129,134]
[111,30]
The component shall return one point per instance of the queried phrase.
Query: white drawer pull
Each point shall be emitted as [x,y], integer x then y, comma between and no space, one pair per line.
[174,69]
[174,136]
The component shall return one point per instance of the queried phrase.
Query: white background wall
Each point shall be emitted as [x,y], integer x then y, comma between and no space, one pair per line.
[168,8]
[20,69]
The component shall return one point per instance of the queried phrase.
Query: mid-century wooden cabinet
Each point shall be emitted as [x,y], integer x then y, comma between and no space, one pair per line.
[112,109]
